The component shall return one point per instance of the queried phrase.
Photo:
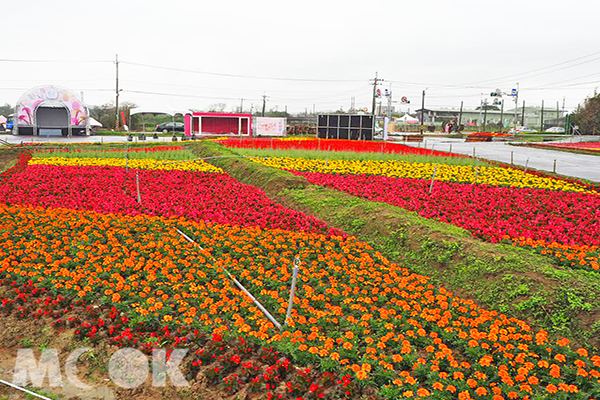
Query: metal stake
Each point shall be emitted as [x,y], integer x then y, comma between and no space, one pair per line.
[292,290]
[432,179]
[137,183]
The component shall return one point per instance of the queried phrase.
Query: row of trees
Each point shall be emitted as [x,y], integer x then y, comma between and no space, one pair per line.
[587,116]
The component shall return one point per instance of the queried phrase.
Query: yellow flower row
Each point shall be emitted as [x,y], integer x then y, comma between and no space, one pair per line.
[147,163]
[496,176]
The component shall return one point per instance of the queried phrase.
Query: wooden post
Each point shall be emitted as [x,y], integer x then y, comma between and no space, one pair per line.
[511,158]
[554,168]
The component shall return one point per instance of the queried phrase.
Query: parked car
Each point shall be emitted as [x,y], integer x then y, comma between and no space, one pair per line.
[522,129]
[556,129]
[168,127]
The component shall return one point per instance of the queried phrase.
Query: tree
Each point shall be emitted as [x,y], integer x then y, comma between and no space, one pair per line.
[588,116]
[217,107]
[6,109]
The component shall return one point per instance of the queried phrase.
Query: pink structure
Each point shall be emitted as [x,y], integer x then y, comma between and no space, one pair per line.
[218,124]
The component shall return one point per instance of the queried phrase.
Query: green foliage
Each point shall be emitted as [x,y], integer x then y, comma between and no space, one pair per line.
[588,115]
[159,155]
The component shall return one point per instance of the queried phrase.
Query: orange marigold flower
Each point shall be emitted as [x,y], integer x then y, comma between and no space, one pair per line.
[582,352]
[362,374]
[551,388]
[464,395]
[481,391]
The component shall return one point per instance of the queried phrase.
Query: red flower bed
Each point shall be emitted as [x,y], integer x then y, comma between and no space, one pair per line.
[333,145]
[494,134]
[488,212]
[197,196]
[594,146]
[133,150]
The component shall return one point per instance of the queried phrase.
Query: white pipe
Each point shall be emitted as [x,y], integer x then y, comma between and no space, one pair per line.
[239,285]
[39,396]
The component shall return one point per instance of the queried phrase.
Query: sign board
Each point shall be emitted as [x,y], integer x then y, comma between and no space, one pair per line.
[266,126]
[513,92]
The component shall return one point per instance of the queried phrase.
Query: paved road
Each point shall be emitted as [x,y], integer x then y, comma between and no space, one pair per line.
[570,164]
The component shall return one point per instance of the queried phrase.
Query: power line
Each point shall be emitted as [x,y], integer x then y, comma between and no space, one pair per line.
[239,76]
[535,70]
[54,61]
[183,95]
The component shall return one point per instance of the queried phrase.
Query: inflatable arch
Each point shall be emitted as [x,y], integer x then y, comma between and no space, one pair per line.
[51,110]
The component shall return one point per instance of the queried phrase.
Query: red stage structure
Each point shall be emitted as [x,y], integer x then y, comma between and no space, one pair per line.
[218,124]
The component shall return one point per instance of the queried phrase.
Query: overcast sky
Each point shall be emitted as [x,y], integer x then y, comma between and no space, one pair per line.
[303,53]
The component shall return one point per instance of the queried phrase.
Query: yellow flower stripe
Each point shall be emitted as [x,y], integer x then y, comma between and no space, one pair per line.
[496,176]
[147,163]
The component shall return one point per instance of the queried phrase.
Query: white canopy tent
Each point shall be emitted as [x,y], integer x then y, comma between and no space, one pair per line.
[407,119]
[94,123]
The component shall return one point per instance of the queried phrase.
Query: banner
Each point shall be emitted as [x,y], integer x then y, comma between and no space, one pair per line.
[266,126]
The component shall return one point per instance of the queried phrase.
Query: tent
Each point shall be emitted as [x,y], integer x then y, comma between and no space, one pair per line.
[94,123]
[2,119]
[407,119]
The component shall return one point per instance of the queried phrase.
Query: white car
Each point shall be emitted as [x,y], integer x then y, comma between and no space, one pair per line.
[521,129]
[556,129]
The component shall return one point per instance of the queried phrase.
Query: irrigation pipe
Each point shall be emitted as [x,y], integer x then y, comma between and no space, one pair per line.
[238,284]
[39,396]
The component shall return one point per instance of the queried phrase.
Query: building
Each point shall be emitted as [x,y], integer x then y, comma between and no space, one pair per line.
[476,117]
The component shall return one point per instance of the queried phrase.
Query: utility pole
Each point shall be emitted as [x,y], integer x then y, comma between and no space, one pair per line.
[389,107]
[502,116]
[264,96]
[314,110]
[375,83]
[286,111]
[241,106]
[460,117]
[516,107]
[422,110]
[557,111]
[542,117]
[523,115]
[484,115]
[479,124]
[117,93]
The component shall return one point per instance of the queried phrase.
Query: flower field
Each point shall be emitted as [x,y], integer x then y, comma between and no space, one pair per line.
[333,145]
[73,228]
[554,216]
